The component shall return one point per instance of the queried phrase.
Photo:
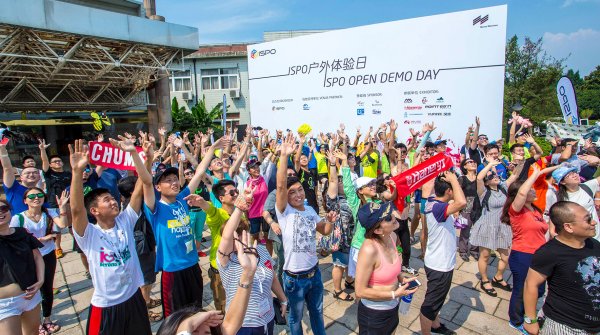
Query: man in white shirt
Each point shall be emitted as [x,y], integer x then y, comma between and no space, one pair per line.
[440,257]
[117,306]
[299,224]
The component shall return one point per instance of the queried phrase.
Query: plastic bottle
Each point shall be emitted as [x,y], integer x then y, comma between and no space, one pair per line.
[405,304]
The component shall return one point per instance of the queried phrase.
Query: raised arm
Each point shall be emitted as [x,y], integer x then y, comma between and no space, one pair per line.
[8,173]
[299,153]
[281,199]
[63,205]
[473,142]
[513,128]
[332,190]
[201,170]
[45,162]
[460,201]
[79,160]
[483,173]
[235,167]
[521,197]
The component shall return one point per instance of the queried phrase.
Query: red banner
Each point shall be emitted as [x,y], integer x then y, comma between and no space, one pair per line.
[104,154]
[413,178]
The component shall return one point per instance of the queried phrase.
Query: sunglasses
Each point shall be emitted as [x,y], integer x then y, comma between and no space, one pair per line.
[470,161]
[403,152]
[483,138]
[370,184]
[234,192]
[56,162]
[4,209]
[87,170]
[188,173]
[35,195]
[291,175]
[491,176]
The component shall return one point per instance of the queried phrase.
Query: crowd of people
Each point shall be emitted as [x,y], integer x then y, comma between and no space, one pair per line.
[275,202]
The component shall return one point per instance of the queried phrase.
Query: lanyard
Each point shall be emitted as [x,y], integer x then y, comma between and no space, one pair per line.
[117,249]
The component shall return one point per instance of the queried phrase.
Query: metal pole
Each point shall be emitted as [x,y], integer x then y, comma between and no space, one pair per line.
[224,117]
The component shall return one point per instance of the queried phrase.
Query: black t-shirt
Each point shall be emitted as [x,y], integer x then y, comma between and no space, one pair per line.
[56,182]
[469,187]
[16,258]
[307,179]
[573,283]
[475,154]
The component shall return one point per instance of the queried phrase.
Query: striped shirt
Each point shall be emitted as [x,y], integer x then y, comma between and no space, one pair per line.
[261,288]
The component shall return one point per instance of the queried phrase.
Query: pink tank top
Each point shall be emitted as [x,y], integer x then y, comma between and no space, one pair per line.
[387,273]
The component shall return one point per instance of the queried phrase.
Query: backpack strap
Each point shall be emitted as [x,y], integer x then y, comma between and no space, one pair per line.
[587,190]
[21,220]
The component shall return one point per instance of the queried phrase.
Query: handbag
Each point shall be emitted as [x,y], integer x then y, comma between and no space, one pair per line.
[279,319]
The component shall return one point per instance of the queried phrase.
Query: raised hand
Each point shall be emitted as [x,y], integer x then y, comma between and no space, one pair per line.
[477,121]
[529,138]
[448,176]
[100,138]
[178,142]
[331,216]
[78,156]
[63,199]
[246,254]
[221,143]
[340,155]
[393,125]
[124,143]
[287,145]
[43,145]
[413,132]
[162,131]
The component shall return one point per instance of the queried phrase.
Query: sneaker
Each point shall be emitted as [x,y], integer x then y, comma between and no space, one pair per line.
[519,328]
[201,253]
[442,330]
[59,253]
[87,275]
[410,270]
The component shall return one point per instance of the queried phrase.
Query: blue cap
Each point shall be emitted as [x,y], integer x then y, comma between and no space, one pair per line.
[561,172]
[438,142]
[371,213]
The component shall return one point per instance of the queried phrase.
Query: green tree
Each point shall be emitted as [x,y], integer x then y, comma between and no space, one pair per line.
[200,118]
[575,78]
[530,78]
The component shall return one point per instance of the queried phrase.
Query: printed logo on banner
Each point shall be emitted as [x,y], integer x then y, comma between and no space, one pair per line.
[255,54]
[438,106]
[408,101]
[481,20]
[305,107]
[413,107]
[278,108]
[360,103]
[376,111]
[439,100]
[424,100]
[376,103]
[360,111]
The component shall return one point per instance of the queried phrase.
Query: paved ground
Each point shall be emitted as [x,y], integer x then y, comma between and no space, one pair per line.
[467,310]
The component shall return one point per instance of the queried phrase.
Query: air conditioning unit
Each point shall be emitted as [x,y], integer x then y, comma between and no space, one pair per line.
[584,122]
[186,96]
[234,94]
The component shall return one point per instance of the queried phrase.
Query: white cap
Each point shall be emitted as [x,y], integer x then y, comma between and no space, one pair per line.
[362,181]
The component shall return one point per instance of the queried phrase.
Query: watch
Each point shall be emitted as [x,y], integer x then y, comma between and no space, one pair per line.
[528,320]
[240,284]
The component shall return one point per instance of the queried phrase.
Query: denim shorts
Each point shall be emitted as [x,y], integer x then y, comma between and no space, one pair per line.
[352,262]
[257,225]
[18,305]
[340,259]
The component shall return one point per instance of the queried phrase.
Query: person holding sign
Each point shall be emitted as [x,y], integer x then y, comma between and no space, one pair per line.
[117,306]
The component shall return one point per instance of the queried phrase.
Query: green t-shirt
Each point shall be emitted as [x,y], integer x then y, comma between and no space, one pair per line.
[385,164]
[215,219]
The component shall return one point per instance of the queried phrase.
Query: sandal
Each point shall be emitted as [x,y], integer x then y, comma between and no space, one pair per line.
[51,327]
[349,285]
[347,298]
[489,291]
[501,284]
[153,303]
[154,317]
[43,331]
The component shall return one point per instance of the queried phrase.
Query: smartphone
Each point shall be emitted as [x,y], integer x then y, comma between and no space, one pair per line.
[413,284]
[178,134]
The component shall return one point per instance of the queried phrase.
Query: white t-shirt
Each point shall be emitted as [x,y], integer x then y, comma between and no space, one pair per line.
[299,235]
[113,260]
[37,229]
[582,198]
[441,237]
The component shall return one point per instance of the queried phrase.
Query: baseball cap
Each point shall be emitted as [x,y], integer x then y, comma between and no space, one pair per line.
[438,142]
[252,162]
[521,133]
[372,213]
[362,182]
[561,172]
[169,171]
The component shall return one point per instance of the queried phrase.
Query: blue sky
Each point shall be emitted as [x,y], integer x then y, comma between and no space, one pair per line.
[570,28]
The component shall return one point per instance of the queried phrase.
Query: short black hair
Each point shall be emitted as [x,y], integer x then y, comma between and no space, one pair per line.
[26,158]
[291,181]
[429,145]
[516,145]
[400,146]
[440,186]
[490,146]
[52,157]
[219,188]
[90,199]
[126,186]
[561,212]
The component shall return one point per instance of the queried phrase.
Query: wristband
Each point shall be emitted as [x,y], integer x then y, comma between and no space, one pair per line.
[244,285]
[284,303]
[3,155]
[596,199]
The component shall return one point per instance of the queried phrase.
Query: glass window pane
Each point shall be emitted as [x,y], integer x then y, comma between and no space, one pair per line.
[178,86]
[206,83]
[186,83]
[233,82]
[209,72]
[214,83]
[224,82]
[228,71]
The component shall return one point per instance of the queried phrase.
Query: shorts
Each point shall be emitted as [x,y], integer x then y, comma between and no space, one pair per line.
[340,259]
[128,317]
[257,225]
[147,262]
[216,285]
[438,286]
[18,305]
[197,220]
[352,261]
[380,322]
[422,207]
[181,289]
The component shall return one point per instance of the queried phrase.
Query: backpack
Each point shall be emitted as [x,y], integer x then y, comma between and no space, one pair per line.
[584,187]
[478,206]
[49,222]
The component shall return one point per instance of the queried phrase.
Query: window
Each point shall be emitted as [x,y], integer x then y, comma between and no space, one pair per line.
[219,79]
[181,81]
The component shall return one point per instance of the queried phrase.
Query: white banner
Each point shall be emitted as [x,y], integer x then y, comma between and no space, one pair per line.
[567,100]
[445,68]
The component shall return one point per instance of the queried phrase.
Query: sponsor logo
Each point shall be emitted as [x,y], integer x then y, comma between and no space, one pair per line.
[376,103]
[416,114]
[481,19]
[376,111]
[413,107]
[424,100]
[412,121]
[254,54]
[406,122]
[405,115]
[360,111]
[360,103]
[408,101]
[278,108]
[305,107]
[438,106]
[439,100]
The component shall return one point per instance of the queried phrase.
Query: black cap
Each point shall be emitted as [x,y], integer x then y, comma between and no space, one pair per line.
[169,171]
[371,213]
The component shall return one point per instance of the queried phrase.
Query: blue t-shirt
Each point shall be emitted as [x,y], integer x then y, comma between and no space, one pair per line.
[500,169]
[312,163]
[175,246]
[213,198]
[14,196]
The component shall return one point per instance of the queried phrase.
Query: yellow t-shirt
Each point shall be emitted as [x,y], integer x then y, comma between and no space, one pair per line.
[215,219]
[370,168]
[321,162]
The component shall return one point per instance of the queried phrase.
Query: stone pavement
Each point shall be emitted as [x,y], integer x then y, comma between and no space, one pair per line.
[467,310]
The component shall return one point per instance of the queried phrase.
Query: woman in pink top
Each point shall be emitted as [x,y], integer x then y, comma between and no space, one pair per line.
[529,233]
[257,182]
[379,283]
